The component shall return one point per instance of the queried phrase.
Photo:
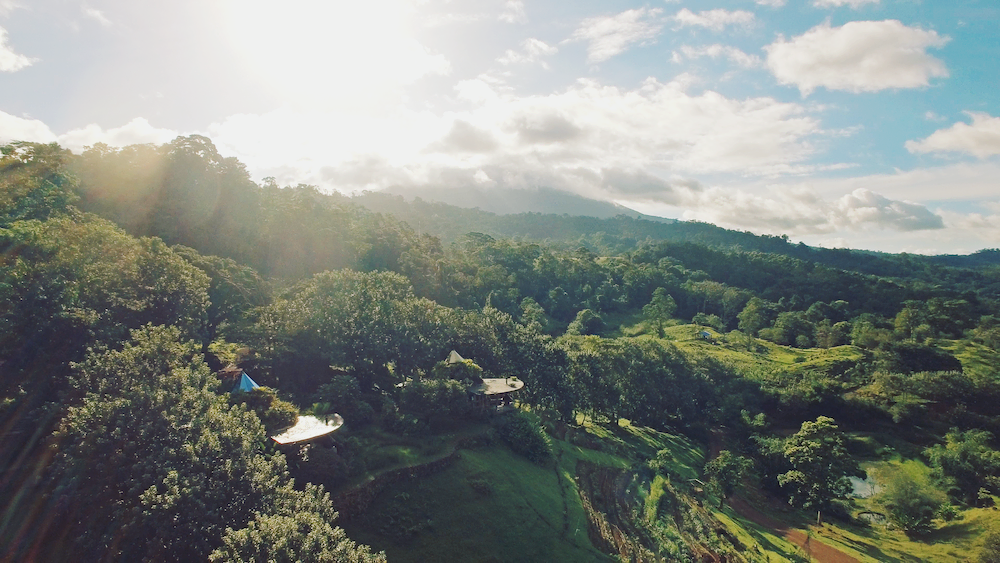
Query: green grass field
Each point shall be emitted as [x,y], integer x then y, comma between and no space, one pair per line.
[492,505]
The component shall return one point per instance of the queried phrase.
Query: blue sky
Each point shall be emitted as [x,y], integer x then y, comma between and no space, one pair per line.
[862,123]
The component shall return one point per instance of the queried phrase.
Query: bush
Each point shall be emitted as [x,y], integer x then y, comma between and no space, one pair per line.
[910,500]
[482,487]
[990,552]
[435,400]
[282,414]
[343,394]
[466,370]
[910,357]
[713,321]
[273,412]
[968,462]
[586,322]
[524,436]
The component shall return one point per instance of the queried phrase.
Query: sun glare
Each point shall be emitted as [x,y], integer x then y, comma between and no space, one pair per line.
[330,53]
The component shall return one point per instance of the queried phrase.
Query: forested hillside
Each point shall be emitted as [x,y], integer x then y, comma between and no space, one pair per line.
[129,276]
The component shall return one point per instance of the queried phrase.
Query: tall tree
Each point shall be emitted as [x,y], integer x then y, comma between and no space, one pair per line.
[820,465]
[34,182]
[725,473]
[157,466]
[659,310]
[968,461]
[753,317]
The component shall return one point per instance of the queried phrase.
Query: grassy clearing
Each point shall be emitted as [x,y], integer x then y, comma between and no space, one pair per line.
[732,348]
[951,542]
[976,359]
[762,544]
[493,505]
[635,444]
[490,506]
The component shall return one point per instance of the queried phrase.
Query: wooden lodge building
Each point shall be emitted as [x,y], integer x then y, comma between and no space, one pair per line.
[490,394]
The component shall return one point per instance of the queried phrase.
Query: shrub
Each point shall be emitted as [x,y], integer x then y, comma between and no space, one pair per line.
[990,552]
[586,322]
[910,357]
[343,393]
[910,500]
[273,412]
[435,399]
[466,370]
[482,487]
[713,321]
[524,436]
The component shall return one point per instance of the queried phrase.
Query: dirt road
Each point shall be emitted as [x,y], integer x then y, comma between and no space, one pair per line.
[816,549]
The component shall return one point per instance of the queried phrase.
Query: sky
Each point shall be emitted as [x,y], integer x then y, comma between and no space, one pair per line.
[871,124]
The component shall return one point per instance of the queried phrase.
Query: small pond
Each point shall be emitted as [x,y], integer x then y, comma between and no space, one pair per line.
[864,488]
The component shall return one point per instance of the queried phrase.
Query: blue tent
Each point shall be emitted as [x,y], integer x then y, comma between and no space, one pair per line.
[245,384]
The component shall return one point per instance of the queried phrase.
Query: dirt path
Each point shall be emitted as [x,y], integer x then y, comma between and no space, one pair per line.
[814,548]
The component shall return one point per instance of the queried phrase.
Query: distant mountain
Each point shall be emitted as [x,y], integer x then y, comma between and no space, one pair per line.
[510,202]
[621,233]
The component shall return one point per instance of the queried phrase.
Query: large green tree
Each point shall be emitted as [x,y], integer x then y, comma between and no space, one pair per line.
[34,181]
[967,460]
[298,528]
[753,317]
[155,465]
[659,310]
[725,472]
[820,465]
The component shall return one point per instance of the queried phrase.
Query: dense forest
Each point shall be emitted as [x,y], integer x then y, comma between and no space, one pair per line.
[129,277]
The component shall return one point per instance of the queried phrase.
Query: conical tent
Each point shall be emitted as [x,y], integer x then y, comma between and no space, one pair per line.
[245,384]
[454,358]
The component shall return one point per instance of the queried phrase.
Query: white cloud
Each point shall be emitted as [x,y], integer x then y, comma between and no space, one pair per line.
[137,131]
[801,211]
[96,15]
[513,12]
[862,56]
[466,137]
[955,182]
[14,128]
[980,139]
[590,139]
[715,51]
[8,6]
[532,50]
[716,19]
[9,60]
[865,207]
[771,3]
[611,35]
[855,4]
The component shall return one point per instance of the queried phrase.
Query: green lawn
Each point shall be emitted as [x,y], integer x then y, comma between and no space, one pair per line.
[976,359]
[490,506]
[493,505]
